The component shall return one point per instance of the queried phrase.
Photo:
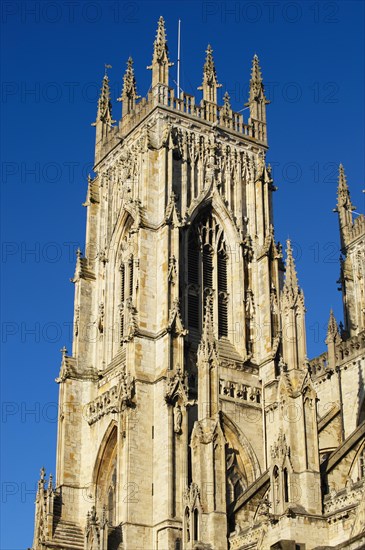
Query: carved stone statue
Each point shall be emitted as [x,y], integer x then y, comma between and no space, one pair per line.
[177,419]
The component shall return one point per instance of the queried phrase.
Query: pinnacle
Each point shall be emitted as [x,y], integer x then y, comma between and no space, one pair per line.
[208,327]
[342,181]
[343,193]
[104,103]
[291,279]
[256,84]
[210,84]
[129,80]
[161,32]
[160,43]
[332,328]
[227,102]
[226,97]
[256,69]
[209,66]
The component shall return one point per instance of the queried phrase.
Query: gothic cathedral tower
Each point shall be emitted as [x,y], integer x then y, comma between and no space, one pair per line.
[189,412]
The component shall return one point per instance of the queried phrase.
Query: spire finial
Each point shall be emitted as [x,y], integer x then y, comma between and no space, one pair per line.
[160,60]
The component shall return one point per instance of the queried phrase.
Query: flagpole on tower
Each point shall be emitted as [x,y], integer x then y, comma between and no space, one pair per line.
[178,59]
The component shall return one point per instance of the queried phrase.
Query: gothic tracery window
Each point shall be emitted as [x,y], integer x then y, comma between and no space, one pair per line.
[207,274]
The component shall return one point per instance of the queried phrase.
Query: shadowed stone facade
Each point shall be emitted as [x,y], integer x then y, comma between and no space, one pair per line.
[189,414]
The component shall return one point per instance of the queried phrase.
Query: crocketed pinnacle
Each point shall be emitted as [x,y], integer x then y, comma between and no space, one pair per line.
[104,103]
[129,83]
[256,84]
[343,193]
[208,328]
[207,346]
[210,82]
[226,102]
[332,329]
[160,59]
[291,279]
[209,67]
[160,49]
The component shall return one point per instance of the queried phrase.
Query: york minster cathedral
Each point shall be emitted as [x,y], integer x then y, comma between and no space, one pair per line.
[189,414]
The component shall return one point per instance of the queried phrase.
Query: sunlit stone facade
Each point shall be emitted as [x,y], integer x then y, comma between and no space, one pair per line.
[190,416]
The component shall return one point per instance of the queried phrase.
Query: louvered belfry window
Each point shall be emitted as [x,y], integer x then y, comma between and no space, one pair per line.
[207,273]
[222,293]
[130,263]
[122,299]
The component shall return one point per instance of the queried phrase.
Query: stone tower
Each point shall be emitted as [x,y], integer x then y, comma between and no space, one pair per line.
[189,414]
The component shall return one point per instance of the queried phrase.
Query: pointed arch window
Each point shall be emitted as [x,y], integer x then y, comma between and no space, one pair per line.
[207,273]
[187,525]
[196,524]
[276,484]
[286,485]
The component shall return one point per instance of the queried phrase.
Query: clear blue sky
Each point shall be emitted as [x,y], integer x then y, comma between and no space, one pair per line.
[53,56]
